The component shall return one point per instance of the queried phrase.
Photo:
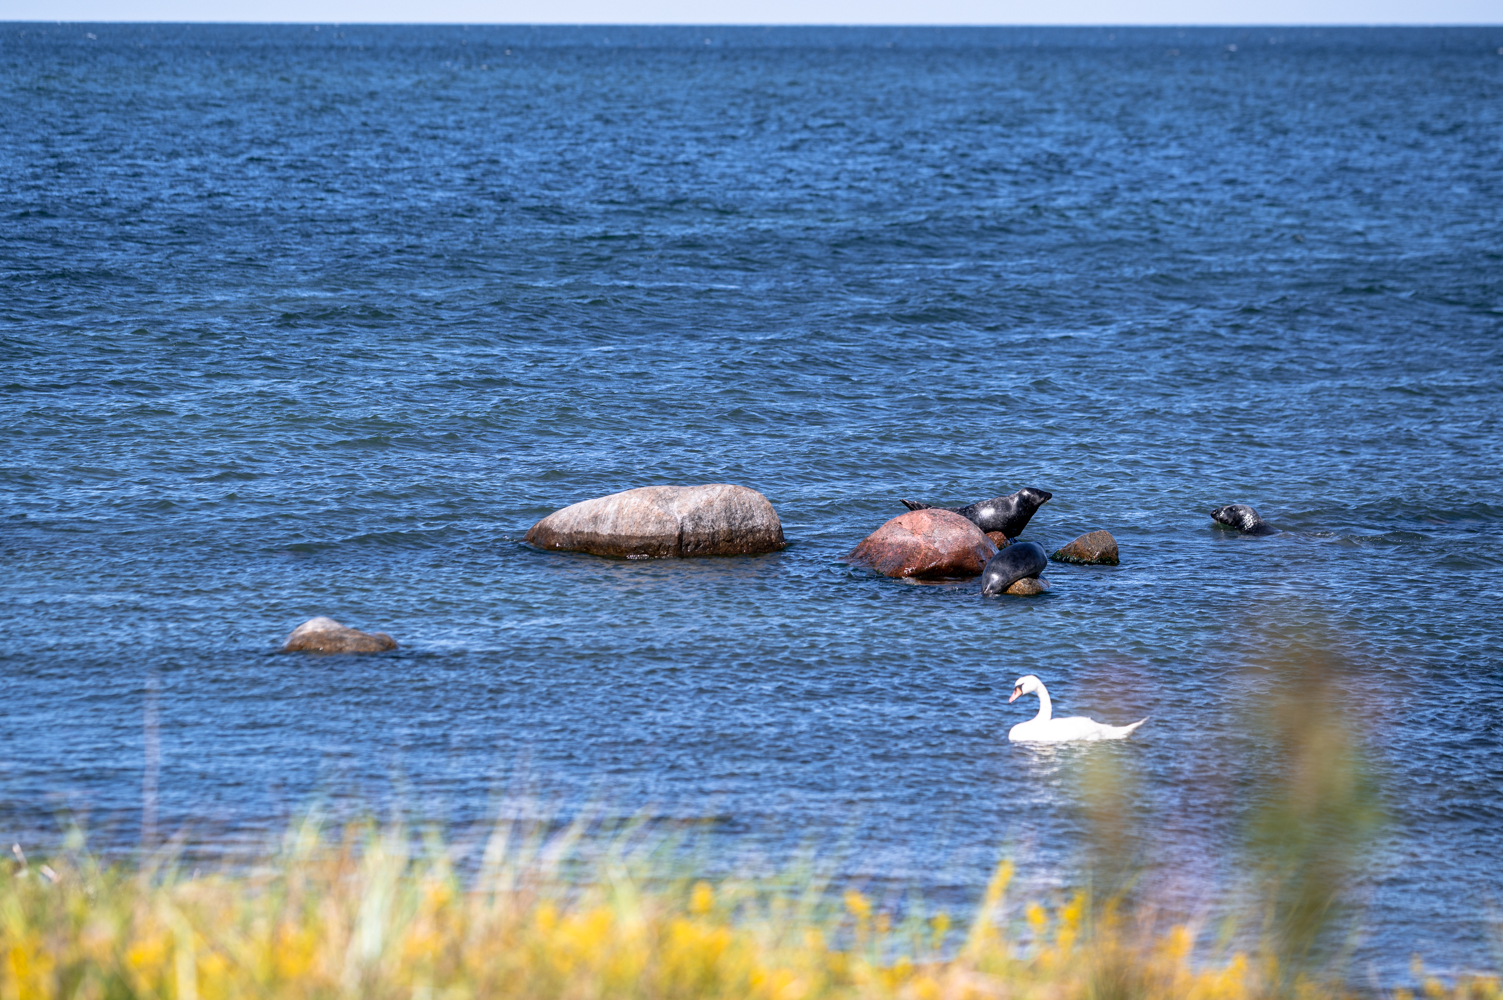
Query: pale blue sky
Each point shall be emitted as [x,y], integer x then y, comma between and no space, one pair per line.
[769,11]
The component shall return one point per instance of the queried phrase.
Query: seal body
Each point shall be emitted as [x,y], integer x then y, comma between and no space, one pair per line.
[1244,519]
[1009,514]
[1018,561]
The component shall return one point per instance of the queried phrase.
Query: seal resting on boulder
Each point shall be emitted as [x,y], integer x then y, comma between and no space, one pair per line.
[325,635]
[926,544]
[660,522]
[1009,514]
[1244,519]
[1019,561]
[1098,547]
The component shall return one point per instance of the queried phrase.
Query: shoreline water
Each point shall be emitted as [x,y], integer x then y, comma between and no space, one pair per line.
[294,327]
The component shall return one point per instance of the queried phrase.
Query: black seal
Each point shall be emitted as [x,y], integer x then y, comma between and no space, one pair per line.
[1244,519]
[1018,561]
[1009,514]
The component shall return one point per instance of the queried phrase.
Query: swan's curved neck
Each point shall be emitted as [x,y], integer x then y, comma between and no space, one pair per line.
[1046,708]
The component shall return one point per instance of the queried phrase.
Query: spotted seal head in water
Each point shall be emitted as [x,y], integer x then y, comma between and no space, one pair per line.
[1244,519]
[1016,562]
[1008,514]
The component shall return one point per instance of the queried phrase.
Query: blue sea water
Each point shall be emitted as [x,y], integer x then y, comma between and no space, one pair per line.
[301,320]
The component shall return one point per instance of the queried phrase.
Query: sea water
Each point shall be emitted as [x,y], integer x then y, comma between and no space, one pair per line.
[304,320]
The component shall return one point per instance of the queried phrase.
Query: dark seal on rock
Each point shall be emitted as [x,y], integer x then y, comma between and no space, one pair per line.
[1098,547]
[1018,561]
[657,522]
[1009,514]
[927,544]
[325,635]
[1244,519]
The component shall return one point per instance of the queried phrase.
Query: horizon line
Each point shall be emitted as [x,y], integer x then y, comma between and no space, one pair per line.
[1105,25]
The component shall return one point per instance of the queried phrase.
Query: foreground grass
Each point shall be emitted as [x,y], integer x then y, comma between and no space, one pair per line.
[370,918]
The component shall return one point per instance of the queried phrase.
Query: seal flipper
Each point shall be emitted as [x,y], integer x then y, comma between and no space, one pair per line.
[911,505]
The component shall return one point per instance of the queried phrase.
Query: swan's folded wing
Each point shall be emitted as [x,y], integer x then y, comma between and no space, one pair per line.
[1077,727]
[1069,730]
[1120,732]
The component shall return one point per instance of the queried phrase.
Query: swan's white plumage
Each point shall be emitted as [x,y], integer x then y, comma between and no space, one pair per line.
[1044,728]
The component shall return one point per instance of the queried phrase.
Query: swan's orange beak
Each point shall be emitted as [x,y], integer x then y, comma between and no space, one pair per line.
[1015,693]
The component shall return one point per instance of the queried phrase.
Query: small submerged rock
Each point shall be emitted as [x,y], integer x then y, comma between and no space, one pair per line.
[1092,548]
[660,522]
[1028,587]
[926,544]
[325,635]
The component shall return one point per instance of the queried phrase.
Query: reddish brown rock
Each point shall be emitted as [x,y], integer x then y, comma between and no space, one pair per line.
[659,522]
[1000,540]
[1028,587]
[325,635]
[927,544]
[1097,547]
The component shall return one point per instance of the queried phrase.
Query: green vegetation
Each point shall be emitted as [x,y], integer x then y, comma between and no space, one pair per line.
[373,916]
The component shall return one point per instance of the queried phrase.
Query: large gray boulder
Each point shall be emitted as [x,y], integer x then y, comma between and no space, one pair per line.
[659,522]
[325,635]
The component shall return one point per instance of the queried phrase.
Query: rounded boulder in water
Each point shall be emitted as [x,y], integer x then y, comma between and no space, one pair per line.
[663,522]
[925,544]
[325,635]
[1019,561]
[1092,548]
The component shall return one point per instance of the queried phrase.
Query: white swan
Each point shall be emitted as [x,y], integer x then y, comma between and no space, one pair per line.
[1044,729]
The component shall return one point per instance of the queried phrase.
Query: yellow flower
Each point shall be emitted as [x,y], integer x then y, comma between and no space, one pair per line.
[857,904]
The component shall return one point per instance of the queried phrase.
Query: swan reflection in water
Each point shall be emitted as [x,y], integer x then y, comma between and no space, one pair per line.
[1050,763]
[1043,765]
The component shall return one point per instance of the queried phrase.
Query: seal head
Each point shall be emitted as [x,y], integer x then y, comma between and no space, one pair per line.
[1244,519]
[1009,514]
[1016,562]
